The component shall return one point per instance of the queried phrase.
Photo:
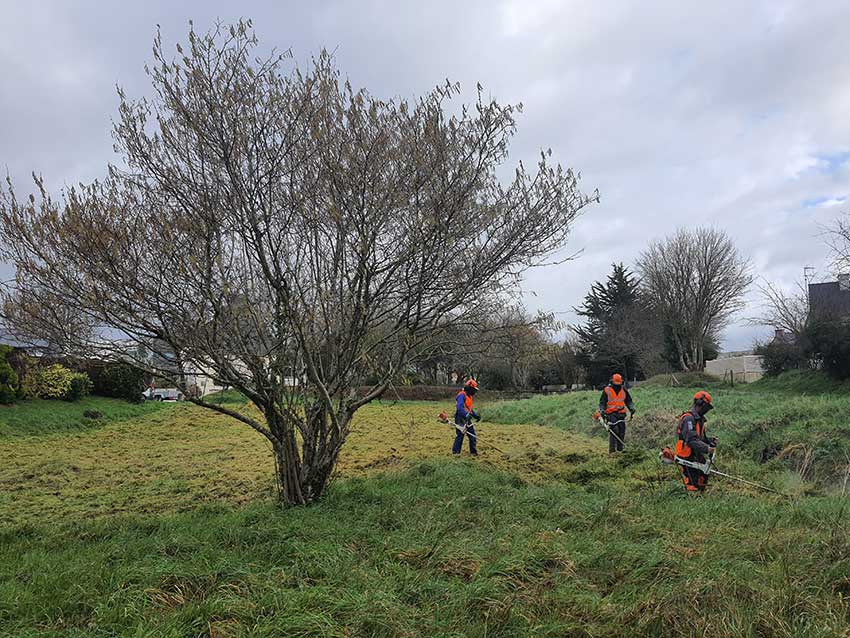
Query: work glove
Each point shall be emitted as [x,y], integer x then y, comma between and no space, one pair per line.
[713,441]
[475,415]
[632,415]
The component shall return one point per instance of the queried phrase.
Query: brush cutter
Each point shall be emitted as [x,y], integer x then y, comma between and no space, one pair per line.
[597,416]
[444,419]
[668,457]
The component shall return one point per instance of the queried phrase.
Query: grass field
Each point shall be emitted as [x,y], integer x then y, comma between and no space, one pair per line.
[41,417]
[158,521]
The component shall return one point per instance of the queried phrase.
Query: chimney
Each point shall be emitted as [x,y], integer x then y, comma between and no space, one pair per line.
[844,282]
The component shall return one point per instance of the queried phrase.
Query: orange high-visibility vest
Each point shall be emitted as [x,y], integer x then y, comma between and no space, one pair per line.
[467,401]
[684,451]
[616,400]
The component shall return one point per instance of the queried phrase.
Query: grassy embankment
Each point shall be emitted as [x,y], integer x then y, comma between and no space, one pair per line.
[149,536]
[799,422]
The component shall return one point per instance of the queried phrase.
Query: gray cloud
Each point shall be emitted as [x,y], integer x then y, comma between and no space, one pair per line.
[727,114]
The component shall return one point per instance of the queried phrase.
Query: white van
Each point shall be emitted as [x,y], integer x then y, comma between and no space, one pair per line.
[162,394]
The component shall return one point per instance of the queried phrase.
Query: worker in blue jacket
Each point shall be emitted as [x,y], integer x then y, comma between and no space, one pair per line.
[463,418]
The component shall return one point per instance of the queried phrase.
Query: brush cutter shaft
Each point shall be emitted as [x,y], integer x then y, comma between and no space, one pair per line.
[458,427]
[607,427]
[746,482]
[465,430]
[706,468]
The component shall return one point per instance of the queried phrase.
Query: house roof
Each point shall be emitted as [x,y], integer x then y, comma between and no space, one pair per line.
[7,340]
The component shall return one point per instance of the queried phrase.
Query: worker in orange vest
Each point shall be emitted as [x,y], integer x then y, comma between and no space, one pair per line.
[463,418]
[612,406]
[693,444]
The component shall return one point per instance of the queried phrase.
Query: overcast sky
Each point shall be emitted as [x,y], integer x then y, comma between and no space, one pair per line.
[730,114]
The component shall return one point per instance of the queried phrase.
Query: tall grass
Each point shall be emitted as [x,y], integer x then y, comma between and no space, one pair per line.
[798,422]
[162,525]
[448,548]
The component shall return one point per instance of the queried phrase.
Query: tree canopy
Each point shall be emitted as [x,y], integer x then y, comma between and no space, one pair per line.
[267,223]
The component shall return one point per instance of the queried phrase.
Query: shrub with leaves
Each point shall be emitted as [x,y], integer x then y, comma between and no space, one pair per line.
[778,357]
[8,377]
[830,344]
[119,380]
[56,382]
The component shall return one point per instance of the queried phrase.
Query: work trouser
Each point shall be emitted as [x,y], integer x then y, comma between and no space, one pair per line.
[469,431]
[694,480]
[617,423]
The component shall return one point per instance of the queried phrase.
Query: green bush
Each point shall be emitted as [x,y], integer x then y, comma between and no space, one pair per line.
[778,357]
[80,386]
[830,344]
[119,381]
[8,377]
[56,382]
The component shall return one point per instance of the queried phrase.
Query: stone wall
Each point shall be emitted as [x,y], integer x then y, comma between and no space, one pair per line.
[743,367]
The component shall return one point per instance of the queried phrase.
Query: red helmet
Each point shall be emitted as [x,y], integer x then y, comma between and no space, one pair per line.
[702,397]
[471,383]
[617,379]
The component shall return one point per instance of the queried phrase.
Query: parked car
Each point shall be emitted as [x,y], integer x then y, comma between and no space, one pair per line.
[162,394]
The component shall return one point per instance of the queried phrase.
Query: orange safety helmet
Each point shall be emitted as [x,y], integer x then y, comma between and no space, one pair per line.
[617,379]
[471,383]
[703,399]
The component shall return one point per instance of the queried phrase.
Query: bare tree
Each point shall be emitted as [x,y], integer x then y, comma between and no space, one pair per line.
[271,224]
[781,309]
[519,342]
[565,360]
[695,280]
[838,239]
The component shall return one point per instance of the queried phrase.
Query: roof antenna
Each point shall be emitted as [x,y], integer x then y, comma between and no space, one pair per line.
[808,272]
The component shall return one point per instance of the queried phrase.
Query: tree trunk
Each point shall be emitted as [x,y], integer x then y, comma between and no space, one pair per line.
[288,468]
[680,350]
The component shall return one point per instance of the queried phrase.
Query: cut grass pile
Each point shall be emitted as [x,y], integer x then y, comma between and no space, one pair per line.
[180,456]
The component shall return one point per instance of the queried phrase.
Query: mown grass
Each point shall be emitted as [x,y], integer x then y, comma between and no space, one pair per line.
[183,456]
[446,548]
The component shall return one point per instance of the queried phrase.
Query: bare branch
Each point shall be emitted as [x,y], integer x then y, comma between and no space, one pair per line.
[286,233]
